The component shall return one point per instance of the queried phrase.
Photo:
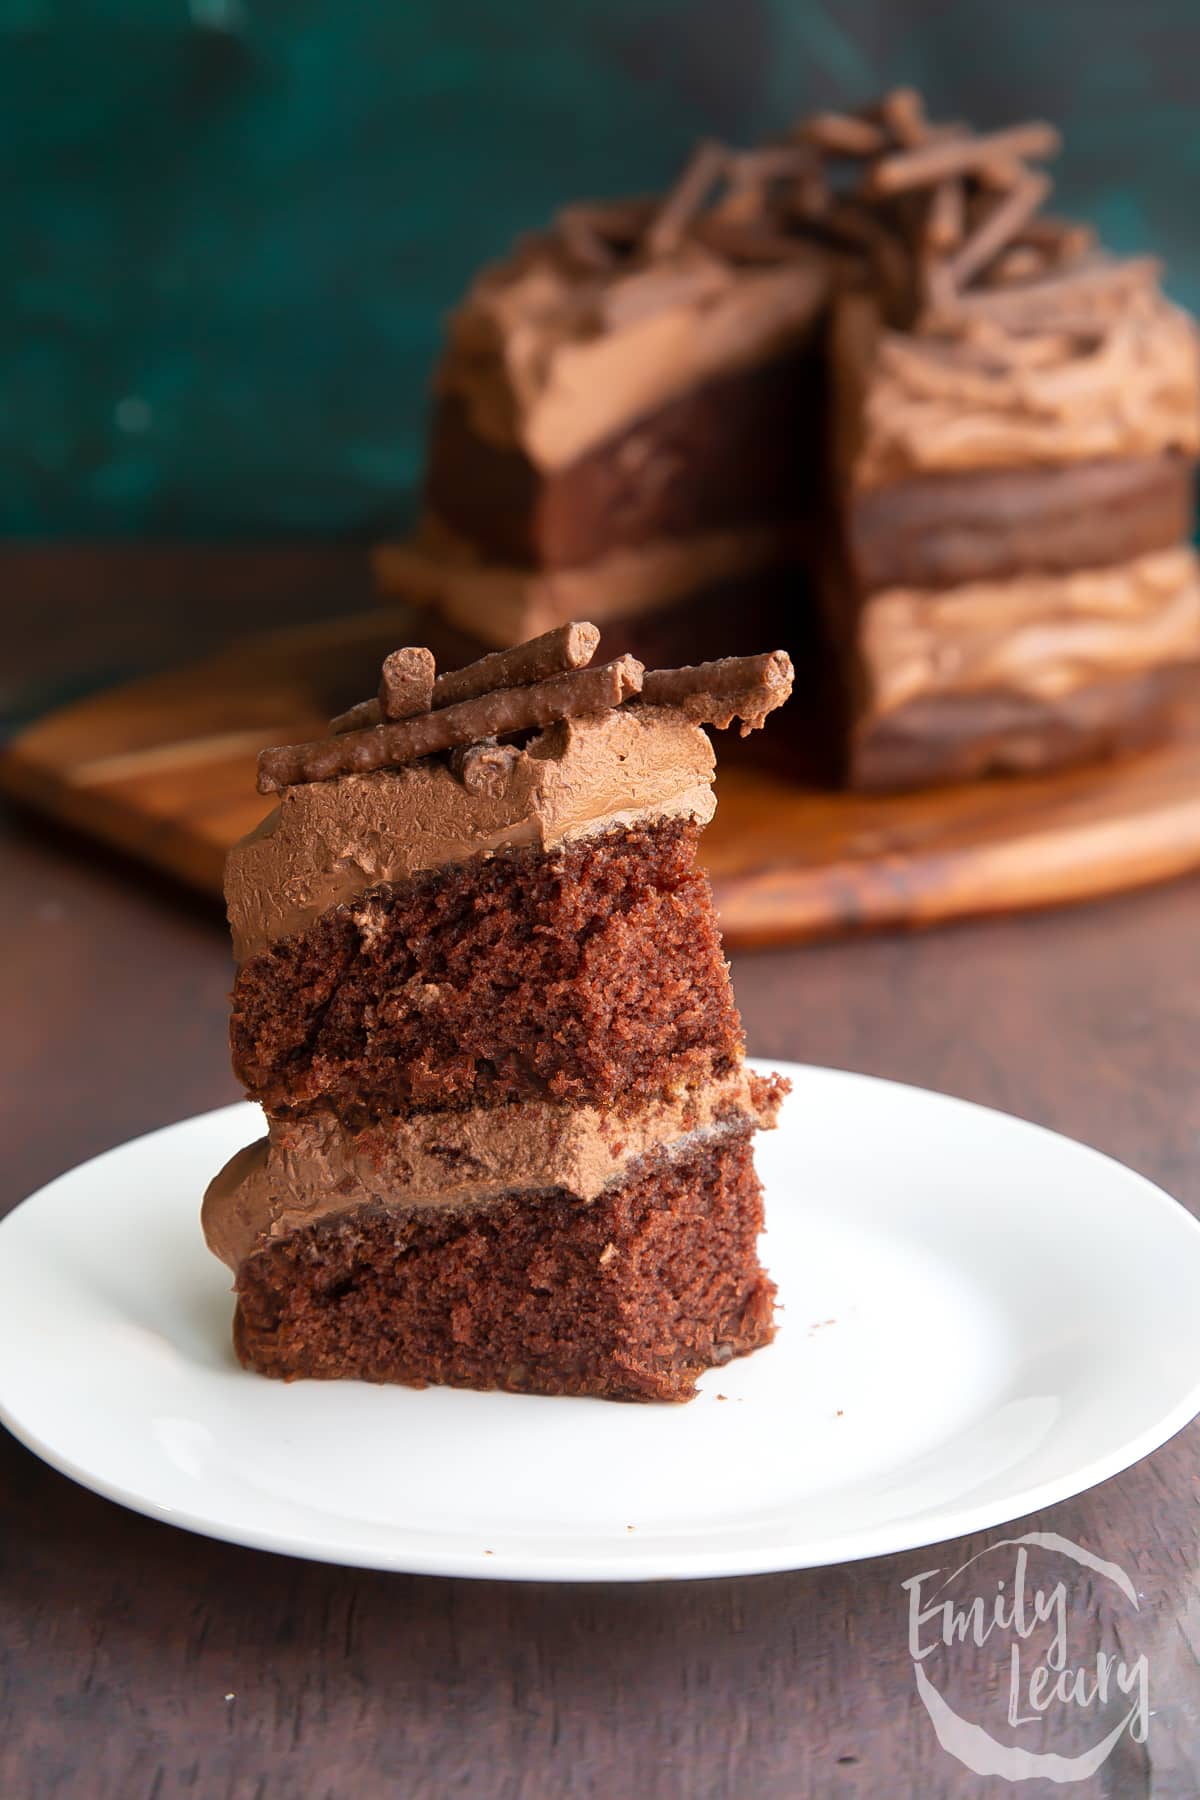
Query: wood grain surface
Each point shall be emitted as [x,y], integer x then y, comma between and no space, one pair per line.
[140,1663]
[163,767]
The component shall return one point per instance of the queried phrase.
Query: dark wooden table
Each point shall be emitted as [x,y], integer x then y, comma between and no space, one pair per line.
[137,1662]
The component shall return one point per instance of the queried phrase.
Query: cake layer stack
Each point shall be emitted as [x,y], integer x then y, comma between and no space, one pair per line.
[482,999]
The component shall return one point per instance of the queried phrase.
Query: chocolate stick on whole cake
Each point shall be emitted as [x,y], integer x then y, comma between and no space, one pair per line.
[855,386]
[482,1000]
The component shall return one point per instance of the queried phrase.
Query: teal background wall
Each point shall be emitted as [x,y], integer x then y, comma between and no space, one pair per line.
[230,228]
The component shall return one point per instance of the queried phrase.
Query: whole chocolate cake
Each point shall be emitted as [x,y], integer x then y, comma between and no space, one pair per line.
[482,999]
[858,378]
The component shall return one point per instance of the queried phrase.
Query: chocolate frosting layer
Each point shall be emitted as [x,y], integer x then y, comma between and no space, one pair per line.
[327,842]
[1037,635]
[316,1167]
[935,531]
[1121,378]
[552,360]
[502,604]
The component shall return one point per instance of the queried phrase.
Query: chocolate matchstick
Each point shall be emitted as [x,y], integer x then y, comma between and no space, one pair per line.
[716,693]
[998,229]
[569,646]
[935,161]
[575,694]
[841,134]
[705,168]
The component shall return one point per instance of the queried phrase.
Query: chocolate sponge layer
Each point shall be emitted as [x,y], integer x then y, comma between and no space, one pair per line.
[733,451]
[939,530]
[629,1297]
[590,973]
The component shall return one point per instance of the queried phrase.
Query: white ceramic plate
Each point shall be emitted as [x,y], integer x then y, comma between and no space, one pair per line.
[980,1318]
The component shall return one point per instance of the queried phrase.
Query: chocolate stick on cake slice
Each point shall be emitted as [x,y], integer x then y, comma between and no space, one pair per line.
[502,710]
[569,646]
[482,1000]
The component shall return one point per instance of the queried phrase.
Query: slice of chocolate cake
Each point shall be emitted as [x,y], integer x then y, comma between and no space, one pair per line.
[482,999]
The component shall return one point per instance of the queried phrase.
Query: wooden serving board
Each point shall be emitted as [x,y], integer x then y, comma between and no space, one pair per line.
[163,768]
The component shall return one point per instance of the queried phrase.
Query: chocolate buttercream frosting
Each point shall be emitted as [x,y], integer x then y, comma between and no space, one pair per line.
[499,603]
[553,359]
[1119,379]
[327,842]
[316,1167]
[1040,635]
